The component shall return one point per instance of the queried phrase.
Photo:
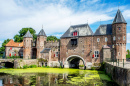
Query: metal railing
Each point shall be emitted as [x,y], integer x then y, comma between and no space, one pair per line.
[125,63]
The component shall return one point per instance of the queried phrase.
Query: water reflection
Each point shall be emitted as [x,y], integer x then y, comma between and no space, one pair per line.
[52,79]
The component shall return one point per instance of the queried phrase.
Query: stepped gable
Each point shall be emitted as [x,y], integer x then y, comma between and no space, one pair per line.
[119,18]
[42,33]
[11,43]
[83,30]
[28,35]
[104,30]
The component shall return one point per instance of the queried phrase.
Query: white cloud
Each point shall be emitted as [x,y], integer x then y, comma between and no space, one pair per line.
[128,37]
[55,17]
[0,43]
[126,14]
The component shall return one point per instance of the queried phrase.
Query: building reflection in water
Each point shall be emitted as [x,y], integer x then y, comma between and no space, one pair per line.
[47,79]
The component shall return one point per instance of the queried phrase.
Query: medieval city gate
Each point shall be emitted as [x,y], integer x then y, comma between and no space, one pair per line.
[73,61]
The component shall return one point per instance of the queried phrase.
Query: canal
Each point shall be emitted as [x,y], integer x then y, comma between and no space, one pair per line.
[54,77]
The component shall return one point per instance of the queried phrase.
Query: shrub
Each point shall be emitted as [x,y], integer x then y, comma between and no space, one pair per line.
[12,57]
[43,66]
[93,68]
[32,66]
[25,66]
[81,65]
[47,66]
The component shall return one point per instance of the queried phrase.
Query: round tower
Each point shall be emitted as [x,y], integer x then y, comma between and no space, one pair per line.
[41,39]
[119,36]
[27,45]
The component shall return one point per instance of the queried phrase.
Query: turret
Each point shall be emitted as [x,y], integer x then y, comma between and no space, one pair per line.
[41,39]
[27,45]
[119,36]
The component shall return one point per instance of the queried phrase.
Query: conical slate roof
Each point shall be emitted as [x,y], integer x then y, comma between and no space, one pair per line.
[28,35]
[119,17]
[42,33]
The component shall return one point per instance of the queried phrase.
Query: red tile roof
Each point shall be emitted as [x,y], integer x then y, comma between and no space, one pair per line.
[11,43]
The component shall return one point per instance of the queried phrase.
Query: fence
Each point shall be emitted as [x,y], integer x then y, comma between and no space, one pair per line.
[125,63]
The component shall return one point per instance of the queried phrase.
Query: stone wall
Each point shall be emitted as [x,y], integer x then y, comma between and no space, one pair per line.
[85,47]
[120,75]
[21,62]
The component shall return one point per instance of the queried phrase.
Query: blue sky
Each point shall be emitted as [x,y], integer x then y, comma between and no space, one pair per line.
[56,16]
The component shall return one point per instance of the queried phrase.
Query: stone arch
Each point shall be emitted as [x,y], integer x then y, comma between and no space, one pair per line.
[73,57]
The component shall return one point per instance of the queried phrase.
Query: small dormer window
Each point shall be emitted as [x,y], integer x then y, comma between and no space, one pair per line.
[75,33]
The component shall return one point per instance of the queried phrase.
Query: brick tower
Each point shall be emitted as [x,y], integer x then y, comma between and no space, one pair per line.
[27,45]
[119,36]
[41,39]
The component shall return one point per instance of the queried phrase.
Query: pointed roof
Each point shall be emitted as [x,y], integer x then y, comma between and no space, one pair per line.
[104,30]
[42,33]
[119,17]
[28,35]
[83,30]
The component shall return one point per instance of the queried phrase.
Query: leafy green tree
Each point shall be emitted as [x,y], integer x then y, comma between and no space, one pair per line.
[2,48]
[52,38]
[22,32]
[128,51]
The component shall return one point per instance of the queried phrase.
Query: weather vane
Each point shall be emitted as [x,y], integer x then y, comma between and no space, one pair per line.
[118,5]
[42,26]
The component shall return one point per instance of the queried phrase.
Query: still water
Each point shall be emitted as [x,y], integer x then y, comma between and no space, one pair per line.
[78,78]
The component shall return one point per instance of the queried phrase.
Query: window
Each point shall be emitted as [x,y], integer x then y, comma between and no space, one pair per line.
[57,54]
[118,53]
[114,38]
[119,28]
[96,53]
[105,39]
[73,41]
[98,39]
[118,38]
[75,33]
[124,38]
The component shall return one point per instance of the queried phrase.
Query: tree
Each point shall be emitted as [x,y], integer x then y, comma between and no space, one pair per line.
[22,32]
[52,38]
[2,48]
[128,51]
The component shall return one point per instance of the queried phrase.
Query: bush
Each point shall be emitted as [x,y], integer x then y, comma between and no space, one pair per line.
[93,68]
[25,66]
[32,66]
[12,57]
[47,66]
[81,65]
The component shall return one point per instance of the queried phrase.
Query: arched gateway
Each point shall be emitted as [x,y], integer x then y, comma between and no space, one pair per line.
[73,61]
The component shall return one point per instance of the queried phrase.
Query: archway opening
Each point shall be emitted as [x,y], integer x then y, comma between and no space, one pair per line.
[76,62]
[8,64]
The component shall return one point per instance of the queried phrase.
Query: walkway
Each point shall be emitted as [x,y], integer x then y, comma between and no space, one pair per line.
[126,64]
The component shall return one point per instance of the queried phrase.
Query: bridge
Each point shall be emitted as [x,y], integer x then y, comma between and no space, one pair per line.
[8,63]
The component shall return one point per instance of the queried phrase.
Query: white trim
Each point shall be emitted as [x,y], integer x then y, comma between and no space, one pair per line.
[98,39]
[96,54]
[106,39]
[75,56]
